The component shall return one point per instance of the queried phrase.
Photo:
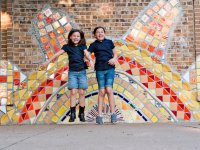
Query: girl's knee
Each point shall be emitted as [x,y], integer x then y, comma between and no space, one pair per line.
[73,92]
[81,92]
[109,90]
[102,92]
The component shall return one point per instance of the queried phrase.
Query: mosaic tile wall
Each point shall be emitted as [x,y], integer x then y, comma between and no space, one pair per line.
[146,89]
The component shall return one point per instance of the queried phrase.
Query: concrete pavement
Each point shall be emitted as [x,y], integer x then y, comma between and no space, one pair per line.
[170,136]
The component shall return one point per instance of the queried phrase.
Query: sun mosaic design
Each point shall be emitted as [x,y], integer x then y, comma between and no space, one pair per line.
[146,89]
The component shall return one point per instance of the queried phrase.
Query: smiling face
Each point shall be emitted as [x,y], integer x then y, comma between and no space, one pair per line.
[75,38]
[100,34]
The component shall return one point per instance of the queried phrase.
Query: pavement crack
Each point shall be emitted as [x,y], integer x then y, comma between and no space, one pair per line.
[22,140]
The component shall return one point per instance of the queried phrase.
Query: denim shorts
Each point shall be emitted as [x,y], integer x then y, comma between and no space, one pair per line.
[77,80]
[105,78]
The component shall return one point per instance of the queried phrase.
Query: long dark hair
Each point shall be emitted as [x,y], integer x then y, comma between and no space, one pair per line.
[81,42]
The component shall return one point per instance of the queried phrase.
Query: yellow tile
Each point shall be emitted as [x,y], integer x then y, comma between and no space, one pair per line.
[128,95]
[198,71]
[95,87]
[90,89]
[198,65]
[166,68]
[55,119]
[32,76]
[62,57]
[40,73]
[60,65]
[62,91]
[61,111]
[145,53]
[42,78]
[169,75]
[154,119]
[9,78]
[158,66]
[176,76]
[186,86]
[120,89]
[182,97]
[15,118]
[26,95]
[4,119]
[9,85]
[198,78]
[147,112]
[20,105]
[196,115]
[115,86]
[178,83]
[9,67]
[21,93]
[131,47]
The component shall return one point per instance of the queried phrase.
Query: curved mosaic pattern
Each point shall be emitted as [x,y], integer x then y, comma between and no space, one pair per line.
[140,107]
[146,88]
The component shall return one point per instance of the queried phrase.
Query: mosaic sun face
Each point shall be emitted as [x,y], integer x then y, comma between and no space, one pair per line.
[146,89]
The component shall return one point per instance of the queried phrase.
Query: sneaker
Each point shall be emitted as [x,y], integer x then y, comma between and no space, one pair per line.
[113,118]
[99,120]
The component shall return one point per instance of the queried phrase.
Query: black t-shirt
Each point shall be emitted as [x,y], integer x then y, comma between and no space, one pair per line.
[76,55]
[103,51]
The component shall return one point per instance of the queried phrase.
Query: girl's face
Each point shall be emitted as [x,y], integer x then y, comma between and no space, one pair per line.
[75,37]
[100,34]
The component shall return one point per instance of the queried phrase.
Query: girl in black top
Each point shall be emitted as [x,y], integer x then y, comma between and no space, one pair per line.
[77,79]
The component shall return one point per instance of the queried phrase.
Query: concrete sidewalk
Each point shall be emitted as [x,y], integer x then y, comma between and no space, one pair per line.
[101,137]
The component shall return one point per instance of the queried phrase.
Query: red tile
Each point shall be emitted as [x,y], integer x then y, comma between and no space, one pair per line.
[187,116]
[145,84]
[37,111]
[160,98]
[43,84]
[175,113]
[128,59]
[63,82]
[150,79]
[35,98]
[47,96]
[20,120]
[149,72]
[129,72]
[120,62]
[129,38]
[151,48]
[24,110]
[16,82]
[31,107]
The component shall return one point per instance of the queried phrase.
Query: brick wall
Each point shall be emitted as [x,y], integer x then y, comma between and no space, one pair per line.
[115,15]
[197,26]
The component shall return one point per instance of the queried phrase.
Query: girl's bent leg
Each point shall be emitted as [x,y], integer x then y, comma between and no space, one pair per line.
[73,93]
[81,114]
[81,97]
[73,105]
[109,92]
[100,101]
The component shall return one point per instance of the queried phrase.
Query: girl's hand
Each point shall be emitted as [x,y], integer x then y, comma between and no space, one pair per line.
[112,62]
[91,64]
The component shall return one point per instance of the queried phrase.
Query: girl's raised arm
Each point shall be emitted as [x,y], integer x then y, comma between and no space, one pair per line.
[89,58]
